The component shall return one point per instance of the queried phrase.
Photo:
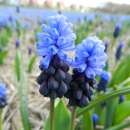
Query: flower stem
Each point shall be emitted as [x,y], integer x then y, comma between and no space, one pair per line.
[1,121]
[52,114]
[72,127]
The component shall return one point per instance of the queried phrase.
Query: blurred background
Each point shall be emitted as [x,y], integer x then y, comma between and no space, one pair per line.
[21,20]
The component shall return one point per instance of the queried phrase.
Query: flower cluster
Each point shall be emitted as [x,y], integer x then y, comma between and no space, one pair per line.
[55,40]
[3,101]
[81,89]
[54,81]
[89,62]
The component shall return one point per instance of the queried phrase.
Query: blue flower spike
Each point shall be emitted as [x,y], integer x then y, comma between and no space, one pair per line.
[89,62]
[117,30]
[3,92]
[56,38]
[119,51]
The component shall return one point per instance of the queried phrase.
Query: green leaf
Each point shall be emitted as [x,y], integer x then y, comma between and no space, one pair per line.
[103,97]
[122,112]
[87,121]
[31,63]
[120,126]
[122,72]
[62,118]
[22,91]
[110,110]
[23,99]
[18,66]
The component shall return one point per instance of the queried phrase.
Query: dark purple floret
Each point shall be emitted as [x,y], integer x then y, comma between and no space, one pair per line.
[81,89]
[54,81]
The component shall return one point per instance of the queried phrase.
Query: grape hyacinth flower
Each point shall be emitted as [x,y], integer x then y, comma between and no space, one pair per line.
[117,30]
[3,22]
[54,41]
[121,98]
[17,43]
[89,62]
[3,101]
[17,9]
[95,119]
[119,51]
[104,80]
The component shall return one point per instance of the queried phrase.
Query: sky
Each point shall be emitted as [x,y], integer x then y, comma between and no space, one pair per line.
[94,3]
[86,3]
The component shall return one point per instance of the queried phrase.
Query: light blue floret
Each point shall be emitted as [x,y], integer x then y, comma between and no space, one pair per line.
[90,57]
[56,38]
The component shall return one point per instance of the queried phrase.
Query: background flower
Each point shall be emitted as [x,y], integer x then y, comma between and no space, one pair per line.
[3,90]
[105,78]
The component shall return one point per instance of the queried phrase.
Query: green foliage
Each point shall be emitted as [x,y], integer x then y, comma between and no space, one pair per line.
[122,112]
[22,91]
[18,66]
[5,35]
[87,121]
[62,118]
[31,63]
[122,72]
[3,55]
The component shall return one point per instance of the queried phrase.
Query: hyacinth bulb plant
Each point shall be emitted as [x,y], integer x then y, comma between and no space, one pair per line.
[54,42]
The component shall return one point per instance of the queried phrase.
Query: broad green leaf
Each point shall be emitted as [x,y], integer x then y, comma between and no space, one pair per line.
[62,118]
[122,72]
[31,63]
[110,110]
[103,97]
[22,90]
[120,126]
[87,121]
[23,97]
[122,112]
